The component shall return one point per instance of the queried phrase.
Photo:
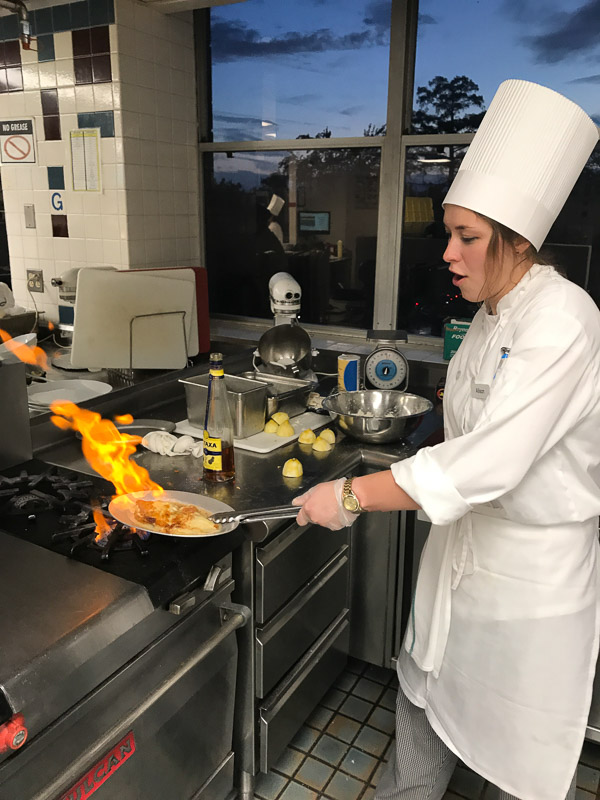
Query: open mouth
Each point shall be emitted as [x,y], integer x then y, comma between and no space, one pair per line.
[456,279]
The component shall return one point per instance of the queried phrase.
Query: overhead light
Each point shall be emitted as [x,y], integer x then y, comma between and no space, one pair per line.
[267,124]
[433,160]
[271,135]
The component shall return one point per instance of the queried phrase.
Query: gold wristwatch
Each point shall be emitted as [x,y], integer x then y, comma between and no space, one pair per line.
[349,499]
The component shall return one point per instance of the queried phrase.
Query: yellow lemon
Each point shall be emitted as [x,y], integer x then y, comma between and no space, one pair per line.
[328,435]
[280,417]
[285,429]
[292,468]
[307,436]
[321,445]
[271,426]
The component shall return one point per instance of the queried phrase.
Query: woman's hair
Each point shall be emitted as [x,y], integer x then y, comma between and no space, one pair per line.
[504,238]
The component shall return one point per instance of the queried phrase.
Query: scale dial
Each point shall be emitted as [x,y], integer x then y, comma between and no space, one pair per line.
[386,368]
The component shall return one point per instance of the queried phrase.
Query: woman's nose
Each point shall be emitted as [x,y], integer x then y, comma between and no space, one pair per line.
[450,252]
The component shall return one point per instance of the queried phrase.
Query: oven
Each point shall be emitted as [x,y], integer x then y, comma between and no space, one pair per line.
[120,654]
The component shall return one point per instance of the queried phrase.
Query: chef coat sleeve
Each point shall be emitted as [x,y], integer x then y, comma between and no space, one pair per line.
[546,386]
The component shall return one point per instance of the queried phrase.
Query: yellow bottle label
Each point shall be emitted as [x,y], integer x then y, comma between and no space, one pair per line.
[213,449]
[217,372]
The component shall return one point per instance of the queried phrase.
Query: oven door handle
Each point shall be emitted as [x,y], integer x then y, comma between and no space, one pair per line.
[233,616]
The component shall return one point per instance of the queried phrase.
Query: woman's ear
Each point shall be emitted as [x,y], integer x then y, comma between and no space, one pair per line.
[522,245]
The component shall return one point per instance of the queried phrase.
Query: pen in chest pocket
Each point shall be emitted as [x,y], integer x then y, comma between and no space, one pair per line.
[505,351]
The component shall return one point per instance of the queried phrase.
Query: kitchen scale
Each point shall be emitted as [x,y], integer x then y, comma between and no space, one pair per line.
[385,366]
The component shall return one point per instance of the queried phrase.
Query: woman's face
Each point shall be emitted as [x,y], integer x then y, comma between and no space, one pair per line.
[468,239]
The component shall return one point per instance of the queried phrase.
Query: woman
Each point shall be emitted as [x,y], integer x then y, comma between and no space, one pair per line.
[500,651]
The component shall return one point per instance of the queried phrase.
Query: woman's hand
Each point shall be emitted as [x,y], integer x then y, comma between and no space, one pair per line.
[322,505]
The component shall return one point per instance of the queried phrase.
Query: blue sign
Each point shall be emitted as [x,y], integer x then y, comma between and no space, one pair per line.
[57,203]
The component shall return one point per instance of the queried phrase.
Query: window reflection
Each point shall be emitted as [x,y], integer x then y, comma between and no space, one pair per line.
[426,295]
[311,213]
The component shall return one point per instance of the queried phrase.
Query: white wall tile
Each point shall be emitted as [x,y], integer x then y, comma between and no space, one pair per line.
[150,177]
[77,225]
[146,69]
[84,98]
[62,247]
[66,99]
[151,202]
[111,228]
[46,248]
[47,70]
[30,247]
[113,32]
[148,127]
[31,77]
[65,72]
[33,107]
[109,176]
[112,252]
[72,201]
[63,45]
[147,100]
[91,202]
[93,250]
[131,124]
[43,225]
[108,151]
[109,202]
[51,153]
[103,97]
[78,252]
[165,179]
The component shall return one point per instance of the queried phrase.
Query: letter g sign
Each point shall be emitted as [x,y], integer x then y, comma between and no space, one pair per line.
[57,203]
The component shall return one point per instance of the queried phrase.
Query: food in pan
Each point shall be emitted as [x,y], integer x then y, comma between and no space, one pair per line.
[292,468]
[168,516]
[307,437]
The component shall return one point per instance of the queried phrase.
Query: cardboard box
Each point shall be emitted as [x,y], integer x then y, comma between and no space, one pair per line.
[454,333]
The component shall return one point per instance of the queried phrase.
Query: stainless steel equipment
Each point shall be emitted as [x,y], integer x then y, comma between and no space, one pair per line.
[283,393]
[247,401]
[285,350]
[15,433]
[121,647]
[376,417]
[285,295]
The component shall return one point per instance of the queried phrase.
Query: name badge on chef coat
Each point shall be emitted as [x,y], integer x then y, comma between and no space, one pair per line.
[480,390]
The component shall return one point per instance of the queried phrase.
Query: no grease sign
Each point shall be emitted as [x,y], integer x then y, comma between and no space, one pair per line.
[17,142]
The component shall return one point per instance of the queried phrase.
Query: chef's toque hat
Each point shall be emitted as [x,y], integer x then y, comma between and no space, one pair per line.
[276,203]
[524,159]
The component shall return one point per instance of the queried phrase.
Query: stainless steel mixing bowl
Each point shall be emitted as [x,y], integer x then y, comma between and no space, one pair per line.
[375,416]
[285,350]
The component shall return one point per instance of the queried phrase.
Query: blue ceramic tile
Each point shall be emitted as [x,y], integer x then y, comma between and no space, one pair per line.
[343,728]
[111,12]
[100,12]
[296,792]
[80,14]
[314,774]
[61,18]
[305,738]
[383,720]
[343,787]
[105,120]
[66,314]
[359,764]
[45,45]
[10,27]
[43,21]
[267,787]
[56,177]
[372,741]
[356,708]
[368,690]
[330,750]
[289,761]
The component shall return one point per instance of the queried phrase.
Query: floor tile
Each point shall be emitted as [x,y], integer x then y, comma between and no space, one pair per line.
[343,787]
[383,720]
[588,778]
[388,699]
[466,783]
[296,792]
[359,764]
[581,794]
[356,708]
[390,751]
[346,681]
[356,666]
[379,674]
[305,738]
[268,786]
[334,699]
[330,750]
[343,728]
[376,776]
[590,754]
[314,774]
[372,741]
[369,794]
[289,761]
[368,690]
[320,718]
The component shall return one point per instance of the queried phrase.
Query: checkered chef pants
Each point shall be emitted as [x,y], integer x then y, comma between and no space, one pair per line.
[423,765]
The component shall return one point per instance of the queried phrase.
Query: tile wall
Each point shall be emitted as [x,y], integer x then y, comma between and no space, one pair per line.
[128,70]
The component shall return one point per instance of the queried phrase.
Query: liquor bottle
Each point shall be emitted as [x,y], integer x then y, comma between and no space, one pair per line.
[218,427]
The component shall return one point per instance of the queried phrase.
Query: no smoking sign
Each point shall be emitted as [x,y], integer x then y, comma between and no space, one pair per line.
[17,142]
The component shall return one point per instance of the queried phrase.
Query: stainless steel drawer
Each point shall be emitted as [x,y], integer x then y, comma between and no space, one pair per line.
[292,631]
[288,706]
[288,561]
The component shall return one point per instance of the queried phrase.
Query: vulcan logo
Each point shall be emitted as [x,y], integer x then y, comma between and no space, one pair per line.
[103,770]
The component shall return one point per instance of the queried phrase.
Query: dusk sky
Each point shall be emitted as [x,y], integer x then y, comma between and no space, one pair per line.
[302,65]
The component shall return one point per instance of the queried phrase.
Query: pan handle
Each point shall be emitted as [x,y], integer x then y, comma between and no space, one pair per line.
[260,515]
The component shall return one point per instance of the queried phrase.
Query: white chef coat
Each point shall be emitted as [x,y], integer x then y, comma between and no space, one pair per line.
[502,642]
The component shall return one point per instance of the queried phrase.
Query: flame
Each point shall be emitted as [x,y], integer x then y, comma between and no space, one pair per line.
[30,355]
[107,450]
[102,528]
[50,325]
[123,419]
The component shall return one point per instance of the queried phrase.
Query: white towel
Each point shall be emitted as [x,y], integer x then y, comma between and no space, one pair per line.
[166,444]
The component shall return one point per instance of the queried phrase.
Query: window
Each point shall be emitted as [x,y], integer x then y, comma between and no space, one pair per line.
[246,244]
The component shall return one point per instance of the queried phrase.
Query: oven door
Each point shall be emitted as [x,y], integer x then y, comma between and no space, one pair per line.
[160,727]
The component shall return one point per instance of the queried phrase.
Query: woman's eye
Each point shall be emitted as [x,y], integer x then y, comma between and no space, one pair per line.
[468,239]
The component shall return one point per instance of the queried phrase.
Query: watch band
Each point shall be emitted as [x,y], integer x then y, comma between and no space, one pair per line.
[353,503]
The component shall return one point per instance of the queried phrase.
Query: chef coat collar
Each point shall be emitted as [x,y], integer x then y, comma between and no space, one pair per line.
[510,298]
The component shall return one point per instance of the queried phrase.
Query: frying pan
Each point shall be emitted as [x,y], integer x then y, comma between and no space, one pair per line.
[121,509]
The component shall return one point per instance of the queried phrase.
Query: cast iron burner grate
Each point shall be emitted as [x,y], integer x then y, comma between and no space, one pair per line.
[52,491]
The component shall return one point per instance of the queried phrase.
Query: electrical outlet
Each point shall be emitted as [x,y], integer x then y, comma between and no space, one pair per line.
[35,280]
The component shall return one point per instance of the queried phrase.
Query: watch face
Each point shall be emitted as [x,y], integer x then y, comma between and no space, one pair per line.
[350,503]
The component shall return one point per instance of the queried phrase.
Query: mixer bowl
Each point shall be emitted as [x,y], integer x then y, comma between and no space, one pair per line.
[285,350]
[377,417]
